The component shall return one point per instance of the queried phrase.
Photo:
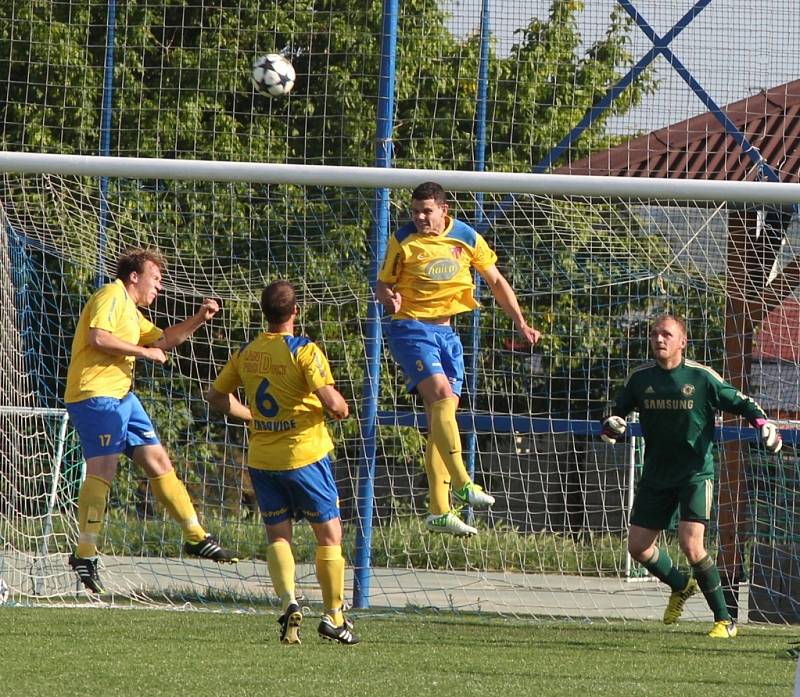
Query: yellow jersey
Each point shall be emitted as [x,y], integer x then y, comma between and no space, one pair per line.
[280,374]
[432,272]
[94,373]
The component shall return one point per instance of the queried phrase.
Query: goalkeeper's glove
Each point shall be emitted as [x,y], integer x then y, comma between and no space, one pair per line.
[770,435]
[613,428]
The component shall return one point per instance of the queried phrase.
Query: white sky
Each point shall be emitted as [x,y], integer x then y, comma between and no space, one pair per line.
[733,48]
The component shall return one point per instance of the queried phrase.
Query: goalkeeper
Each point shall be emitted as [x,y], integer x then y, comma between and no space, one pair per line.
[425,279]
[677,400]
[110,419]
[289,387]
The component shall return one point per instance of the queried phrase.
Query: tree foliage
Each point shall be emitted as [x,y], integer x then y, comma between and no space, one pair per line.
[181,89]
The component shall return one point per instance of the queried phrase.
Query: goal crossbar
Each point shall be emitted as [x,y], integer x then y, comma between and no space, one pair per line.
[391,178]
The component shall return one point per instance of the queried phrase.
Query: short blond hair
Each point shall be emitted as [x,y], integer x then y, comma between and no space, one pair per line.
[669,316]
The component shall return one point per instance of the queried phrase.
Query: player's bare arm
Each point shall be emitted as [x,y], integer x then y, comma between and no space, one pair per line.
[333,401]
[228,404]
[106,342]
[504,295]
[178,333]
[388,297]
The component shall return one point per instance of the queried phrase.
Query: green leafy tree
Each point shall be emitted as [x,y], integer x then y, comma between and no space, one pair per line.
[182,90]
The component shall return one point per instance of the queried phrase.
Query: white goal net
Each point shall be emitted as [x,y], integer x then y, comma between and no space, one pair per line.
[589,270]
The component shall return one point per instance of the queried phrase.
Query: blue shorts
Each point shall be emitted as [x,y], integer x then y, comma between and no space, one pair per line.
[306,492]
[109,426]
[422,349]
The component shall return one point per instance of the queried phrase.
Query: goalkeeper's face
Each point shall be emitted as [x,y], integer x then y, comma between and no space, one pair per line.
[668,340]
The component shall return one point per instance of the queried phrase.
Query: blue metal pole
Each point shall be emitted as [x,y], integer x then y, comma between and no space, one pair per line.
[659,46]
[105,140]
[480,220]
[379,232]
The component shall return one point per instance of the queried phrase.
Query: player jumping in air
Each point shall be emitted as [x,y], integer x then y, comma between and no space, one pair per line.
[426,278]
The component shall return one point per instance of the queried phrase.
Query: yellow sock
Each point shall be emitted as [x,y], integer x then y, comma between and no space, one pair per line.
[438,480]
[172,494]
[330,574]
[280,563]
[91,508]
[444,433]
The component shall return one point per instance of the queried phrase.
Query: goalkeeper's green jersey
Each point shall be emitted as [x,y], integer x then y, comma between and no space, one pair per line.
[677,410]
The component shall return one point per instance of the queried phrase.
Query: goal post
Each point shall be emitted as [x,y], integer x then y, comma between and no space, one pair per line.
[23,426]
[592,261]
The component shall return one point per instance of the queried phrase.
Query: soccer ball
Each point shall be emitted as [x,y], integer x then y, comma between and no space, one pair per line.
[273,75]
[4,592]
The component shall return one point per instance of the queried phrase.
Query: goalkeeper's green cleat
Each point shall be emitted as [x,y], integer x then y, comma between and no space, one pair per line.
[473,495]
[86,568]
[290,624]
[677,600]
[724,629]
[449,523]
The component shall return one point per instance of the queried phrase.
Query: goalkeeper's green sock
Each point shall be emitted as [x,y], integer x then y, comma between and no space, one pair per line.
[330,574]
[707,575]
[171,493]
[661,566]
[444,434]
[438,480]
[280,562]
[91,509]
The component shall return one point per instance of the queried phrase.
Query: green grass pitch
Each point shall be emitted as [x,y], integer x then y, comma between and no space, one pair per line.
[54,652]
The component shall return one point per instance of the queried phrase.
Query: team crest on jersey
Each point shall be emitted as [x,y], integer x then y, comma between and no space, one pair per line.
[420,366]
[687,390]
[456,252]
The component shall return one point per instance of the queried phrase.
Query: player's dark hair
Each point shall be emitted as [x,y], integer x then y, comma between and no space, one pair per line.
[278,301]
[428,190]
[675,318]
[134,259]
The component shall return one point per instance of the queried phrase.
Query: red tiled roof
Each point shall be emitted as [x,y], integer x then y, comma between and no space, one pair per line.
[780,333]
[699,148]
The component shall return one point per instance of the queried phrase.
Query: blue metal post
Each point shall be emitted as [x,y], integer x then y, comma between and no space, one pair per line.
[480,221]
[379,233]
[105,139]
[659,45]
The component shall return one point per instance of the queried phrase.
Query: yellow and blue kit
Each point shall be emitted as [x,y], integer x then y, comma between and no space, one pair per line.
[433,275]
[108,417]
[280,374]
[94,373]
[289,442]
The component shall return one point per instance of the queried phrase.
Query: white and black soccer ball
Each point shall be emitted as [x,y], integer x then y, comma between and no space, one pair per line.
[273,75]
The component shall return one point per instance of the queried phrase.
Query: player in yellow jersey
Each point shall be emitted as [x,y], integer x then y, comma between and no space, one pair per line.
[111,334]
[288,387]
[425,279]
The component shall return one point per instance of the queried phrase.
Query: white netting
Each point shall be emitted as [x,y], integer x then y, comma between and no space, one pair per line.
[590,272]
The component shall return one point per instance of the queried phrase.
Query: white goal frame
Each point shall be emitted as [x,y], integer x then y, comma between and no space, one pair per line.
[376,178]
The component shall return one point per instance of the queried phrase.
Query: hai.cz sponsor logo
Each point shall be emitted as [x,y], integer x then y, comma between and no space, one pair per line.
[442,269]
